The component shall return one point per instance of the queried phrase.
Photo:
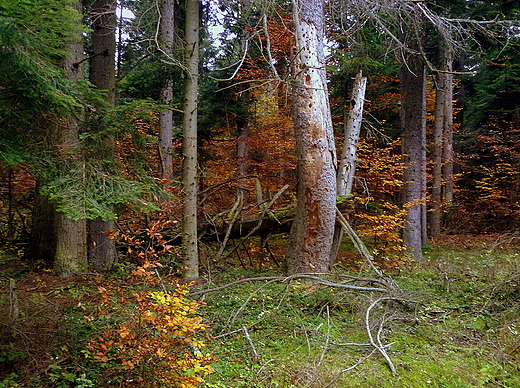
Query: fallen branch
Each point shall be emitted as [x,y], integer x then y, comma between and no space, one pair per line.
[358,243]
[248,338]
[314,277]
[377,345]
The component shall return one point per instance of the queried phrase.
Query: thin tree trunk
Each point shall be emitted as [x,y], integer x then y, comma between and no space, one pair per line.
[243,157]
[189,146]
[166,117]
[347,165]
[448,131]
[440,96]
[313,227]
[102,249]
[413,109]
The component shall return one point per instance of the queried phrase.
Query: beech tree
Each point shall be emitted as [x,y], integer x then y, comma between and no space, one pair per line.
[442,177]
[313,225]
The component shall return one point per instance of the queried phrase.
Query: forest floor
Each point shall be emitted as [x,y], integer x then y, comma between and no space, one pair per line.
[454,322]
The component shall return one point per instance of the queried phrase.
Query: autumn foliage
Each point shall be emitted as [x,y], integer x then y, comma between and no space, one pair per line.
[155,339]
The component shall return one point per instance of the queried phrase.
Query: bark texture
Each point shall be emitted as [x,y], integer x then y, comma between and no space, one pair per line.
[442,184]
[101,249]
[313,226]
[347,165]
[189,146]
[166,117]
[413,116]
[447,136]
[71,248]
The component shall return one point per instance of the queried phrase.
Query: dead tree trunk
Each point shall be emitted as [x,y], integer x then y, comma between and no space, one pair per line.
[347,165]
[313,226]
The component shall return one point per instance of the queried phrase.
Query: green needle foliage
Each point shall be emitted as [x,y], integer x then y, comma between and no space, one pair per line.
[33,38]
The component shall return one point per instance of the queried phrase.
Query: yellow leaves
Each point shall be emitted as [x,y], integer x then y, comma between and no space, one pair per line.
[128,364]
[125,333]
[157,333]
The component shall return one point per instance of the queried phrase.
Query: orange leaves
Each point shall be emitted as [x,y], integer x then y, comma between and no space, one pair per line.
[377,187]
[156,339]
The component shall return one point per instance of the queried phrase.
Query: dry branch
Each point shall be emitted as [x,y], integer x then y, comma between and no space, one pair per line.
[315,278]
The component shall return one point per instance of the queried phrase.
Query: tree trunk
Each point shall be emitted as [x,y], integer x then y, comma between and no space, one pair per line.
[42,242]
[448,131]
[189,145]
[413,116]
[71,244]
[102,249]
[347,165]
[243,155]
[313,226]
[440,96]
[166,117]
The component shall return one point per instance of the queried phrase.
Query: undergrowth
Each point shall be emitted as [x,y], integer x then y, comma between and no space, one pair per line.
[455,323]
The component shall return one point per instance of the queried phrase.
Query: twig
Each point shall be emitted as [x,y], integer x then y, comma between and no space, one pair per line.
[237,207]
[248,338]
[381,349]
[14,305]
[237,313]
[358,243]
[327,339]
[314,277]
[360,361]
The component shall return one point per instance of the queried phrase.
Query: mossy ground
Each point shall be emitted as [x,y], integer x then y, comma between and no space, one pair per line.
[458,327]
[456,324]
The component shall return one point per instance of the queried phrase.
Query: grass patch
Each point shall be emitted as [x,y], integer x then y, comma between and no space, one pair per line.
[457,324]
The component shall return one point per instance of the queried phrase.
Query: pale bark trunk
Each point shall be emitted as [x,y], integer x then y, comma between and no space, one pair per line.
[102,249]
[71,244]
[313,226]
[345,177]
[347,165]
[413,117]
[189,171]
[166,117]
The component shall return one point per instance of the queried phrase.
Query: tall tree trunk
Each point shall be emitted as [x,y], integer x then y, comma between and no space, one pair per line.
[448,130]
[102,249]
[313,226]
[166,117]
[347,165]
[413,116]
[189,145]
[442,187]
[440,96]
[71,244]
